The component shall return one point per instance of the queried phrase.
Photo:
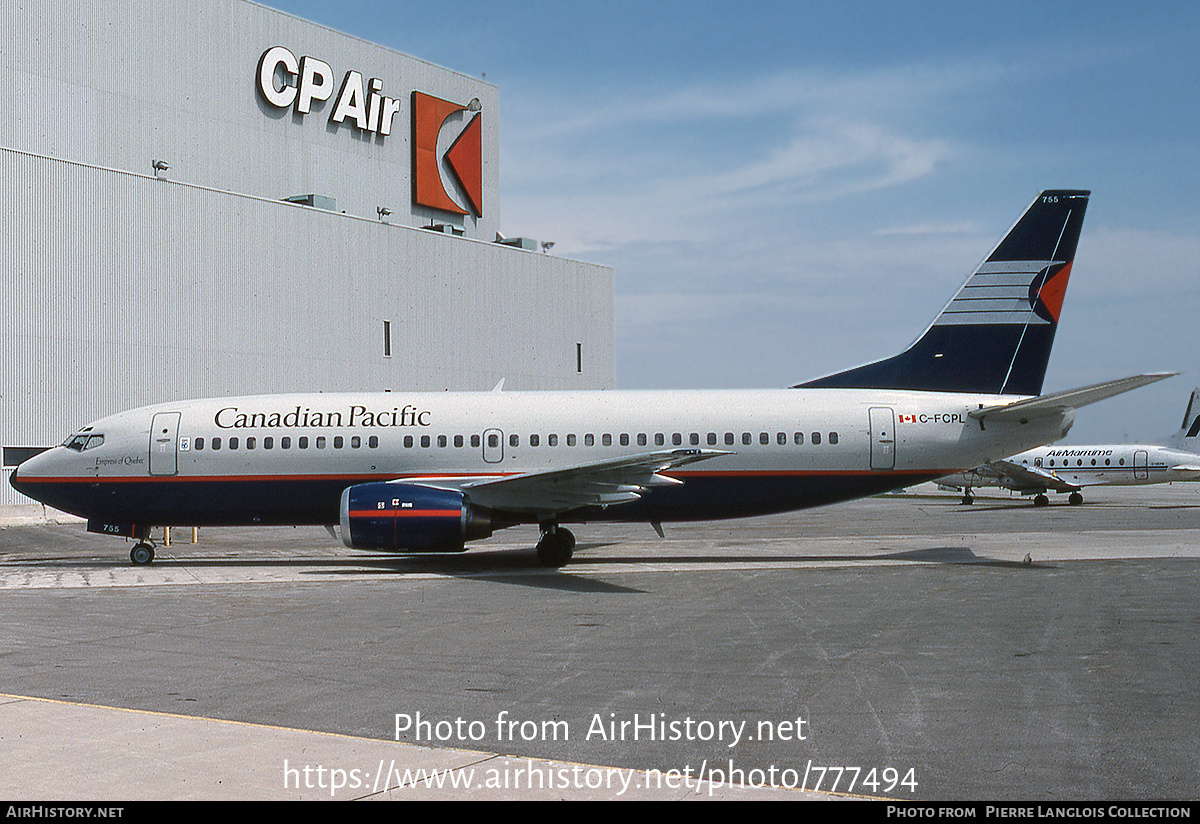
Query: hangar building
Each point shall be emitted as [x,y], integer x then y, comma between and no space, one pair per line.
[211,197]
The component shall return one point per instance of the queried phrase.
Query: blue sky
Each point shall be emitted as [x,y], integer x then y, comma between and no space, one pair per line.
[789,189]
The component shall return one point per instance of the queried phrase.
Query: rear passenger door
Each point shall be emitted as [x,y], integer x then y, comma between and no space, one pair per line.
[883,437]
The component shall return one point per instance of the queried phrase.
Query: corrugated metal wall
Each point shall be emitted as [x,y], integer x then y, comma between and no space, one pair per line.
[120,289]
[123,290]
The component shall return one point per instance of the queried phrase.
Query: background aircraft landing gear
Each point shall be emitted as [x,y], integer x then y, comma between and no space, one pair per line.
[556,546]
[968,498]
[142,553]
[1041,500]
[1074,499]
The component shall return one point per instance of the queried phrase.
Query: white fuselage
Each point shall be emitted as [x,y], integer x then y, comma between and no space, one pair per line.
[286,458]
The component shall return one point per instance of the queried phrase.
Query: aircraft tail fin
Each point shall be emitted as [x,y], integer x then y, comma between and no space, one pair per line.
[995,334]
[1188,436]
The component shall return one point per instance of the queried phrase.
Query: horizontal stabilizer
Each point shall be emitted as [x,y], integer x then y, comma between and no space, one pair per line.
[1058,402]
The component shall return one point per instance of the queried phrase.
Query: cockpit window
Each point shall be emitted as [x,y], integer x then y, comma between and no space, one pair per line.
[83,441]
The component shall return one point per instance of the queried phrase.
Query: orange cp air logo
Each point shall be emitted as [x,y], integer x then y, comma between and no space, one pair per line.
[464,159]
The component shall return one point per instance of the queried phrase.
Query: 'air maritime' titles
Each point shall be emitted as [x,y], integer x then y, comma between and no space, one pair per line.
[231,417]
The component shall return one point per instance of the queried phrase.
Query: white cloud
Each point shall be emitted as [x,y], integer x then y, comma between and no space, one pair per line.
[1138,264]
[685,163]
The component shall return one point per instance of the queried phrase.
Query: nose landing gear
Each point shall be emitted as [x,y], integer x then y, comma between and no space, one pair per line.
[142,553]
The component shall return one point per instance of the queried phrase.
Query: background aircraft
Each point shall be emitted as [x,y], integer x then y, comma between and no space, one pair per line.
[1070,468]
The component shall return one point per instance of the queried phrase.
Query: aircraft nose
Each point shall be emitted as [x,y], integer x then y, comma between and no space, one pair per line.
[33,479]
[14,481]
[19,479]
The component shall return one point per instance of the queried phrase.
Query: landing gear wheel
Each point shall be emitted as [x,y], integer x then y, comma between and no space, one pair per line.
[1041,500]
[1074,499]
[968,499]
[141,554]
[556,547]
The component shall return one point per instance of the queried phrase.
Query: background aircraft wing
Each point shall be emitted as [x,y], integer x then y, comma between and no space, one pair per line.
[1017,476]
[552,492]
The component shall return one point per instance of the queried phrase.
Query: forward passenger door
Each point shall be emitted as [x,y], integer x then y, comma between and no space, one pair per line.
[164,431]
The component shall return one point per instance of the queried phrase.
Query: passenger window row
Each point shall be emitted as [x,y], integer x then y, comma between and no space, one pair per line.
[677,439]
[426,441]
[302,442]
[1079,462]
[625,439]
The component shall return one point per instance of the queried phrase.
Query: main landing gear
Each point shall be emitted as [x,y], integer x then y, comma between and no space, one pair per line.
[142,553]
[1074,499]
[1041,499]
[556,546]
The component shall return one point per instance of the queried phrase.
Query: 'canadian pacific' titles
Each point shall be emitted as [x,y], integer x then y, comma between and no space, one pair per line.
[233,418]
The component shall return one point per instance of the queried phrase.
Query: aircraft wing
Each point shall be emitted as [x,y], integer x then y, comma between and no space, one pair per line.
[552,492]
[1015,476]
[1058,402]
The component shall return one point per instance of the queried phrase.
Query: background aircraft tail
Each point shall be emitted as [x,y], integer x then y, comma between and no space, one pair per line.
[995,334]
[1188,436]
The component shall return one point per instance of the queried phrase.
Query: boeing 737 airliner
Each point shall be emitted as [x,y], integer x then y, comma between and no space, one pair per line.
[427,472]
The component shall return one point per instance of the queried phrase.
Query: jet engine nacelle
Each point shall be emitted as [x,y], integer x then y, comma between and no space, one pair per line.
[397,517]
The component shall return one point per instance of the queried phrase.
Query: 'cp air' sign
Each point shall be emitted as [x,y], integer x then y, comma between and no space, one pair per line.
[284,81]
[287,82]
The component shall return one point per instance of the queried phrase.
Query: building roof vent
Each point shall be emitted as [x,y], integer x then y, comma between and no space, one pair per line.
[526,243]
[316,201]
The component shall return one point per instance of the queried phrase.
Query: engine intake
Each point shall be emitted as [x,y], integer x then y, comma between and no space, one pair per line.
[399,517]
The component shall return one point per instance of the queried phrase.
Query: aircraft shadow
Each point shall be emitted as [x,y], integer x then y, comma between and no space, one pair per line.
[521,566]
[952,555]
[1005,506]
[507,566]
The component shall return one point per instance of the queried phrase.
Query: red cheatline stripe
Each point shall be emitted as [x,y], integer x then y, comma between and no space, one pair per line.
[787,473]
[747,473]
[418,479]
[92,479]
[405,513]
